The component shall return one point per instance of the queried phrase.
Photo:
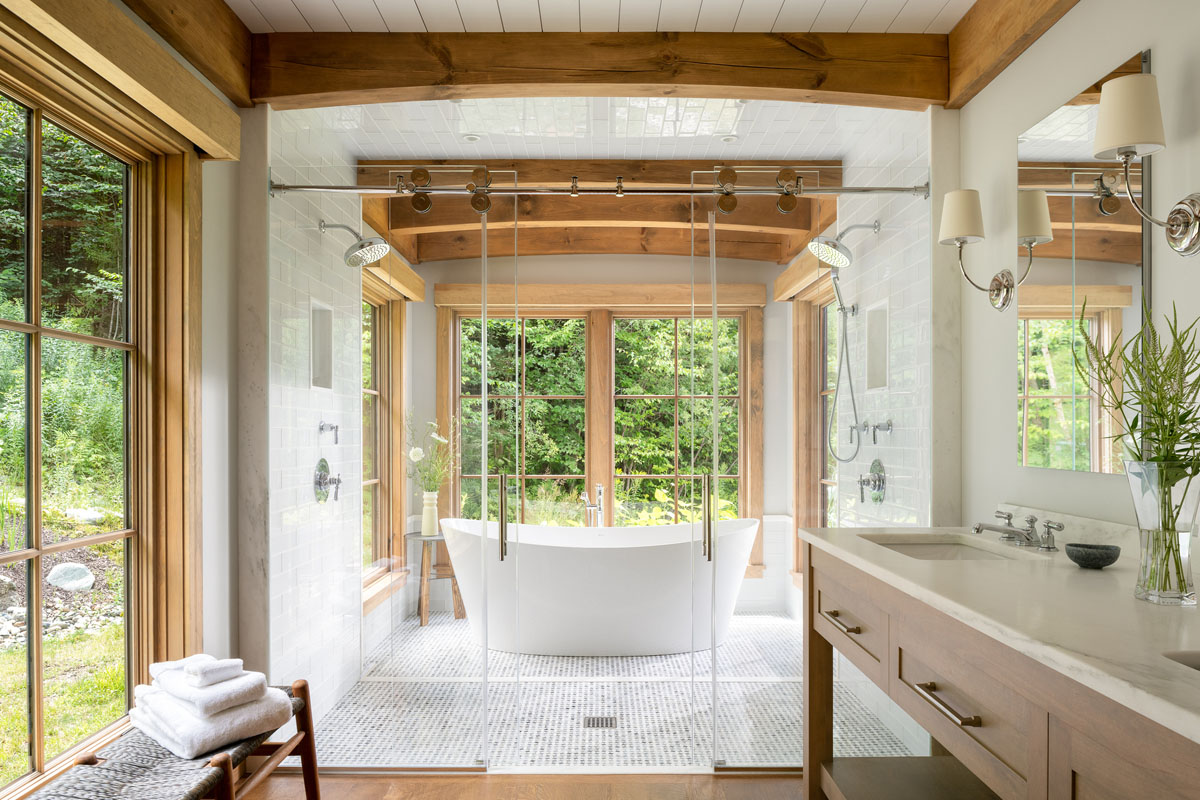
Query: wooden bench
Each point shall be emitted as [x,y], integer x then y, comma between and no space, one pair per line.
[135,767]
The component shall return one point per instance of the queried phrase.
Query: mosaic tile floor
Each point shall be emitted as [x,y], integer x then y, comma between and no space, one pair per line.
[419,704]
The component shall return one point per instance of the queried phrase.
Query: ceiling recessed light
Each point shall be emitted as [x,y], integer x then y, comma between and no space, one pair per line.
[470,138]
[729,138]
[456,100]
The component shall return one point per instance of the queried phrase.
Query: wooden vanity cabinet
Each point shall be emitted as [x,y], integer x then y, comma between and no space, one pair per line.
[1025,731]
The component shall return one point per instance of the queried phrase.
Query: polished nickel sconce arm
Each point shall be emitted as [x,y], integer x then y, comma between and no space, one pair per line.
[1182,225]
[1003,285]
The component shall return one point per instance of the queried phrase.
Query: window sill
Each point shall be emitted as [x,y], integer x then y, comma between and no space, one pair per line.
[23,787]
[380,589]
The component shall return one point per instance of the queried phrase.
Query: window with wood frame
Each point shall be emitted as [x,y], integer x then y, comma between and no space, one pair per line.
[826,412]
[561,365]
[384,479]
[662,417]
[65,463]
[1060,424]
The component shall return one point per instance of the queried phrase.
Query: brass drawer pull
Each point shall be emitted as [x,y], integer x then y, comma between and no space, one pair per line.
[832,616]
[927,689]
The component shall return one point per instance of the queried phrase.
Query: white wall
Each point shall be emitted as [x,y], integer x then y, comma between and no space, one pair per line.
[218,388]
[1053,70]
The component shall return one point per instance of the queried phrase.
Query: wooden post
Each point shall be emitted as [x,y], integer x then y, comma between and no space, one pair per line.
[308,747]
[818,691]
[227,788]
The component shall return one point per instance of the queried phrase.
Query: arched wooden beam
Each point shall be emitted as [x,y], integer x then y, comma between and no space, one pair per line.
[307,70]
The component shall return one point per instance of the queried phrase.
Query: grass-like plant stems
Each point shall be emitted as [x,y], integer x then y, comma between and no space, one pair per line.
[1156,392]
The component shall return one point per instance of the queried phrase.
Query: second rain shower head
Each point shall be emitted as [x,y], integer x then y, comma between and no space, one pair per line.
[832,251]
[365,250]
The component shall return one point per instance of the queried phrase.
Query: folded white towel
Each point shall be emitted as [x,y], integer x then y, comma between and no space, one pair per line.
[168,721]
[209,700]
[206,673]
[160,667]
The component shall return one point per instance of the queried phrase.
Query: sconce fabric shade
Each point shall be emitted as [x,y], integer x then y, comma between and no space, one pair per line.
[962,217]
[1033,217]
[1129,118]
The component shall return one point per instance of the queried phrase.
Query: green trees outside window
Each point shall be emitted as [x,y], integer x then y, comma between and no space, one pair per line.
[64,349]
[1056,412]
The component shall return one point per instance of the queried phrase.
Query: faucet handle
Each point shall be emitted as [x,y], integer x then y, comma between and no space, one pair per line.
[1006,516]
[1047,544]
[1031,522]
[584,497]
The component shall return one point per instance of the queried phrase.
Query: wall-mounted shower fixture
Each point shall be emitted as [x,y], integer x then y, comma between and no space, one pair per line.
[364,251]
[874,481]
[886,427]
[322,480]
[328,426]
[838,256]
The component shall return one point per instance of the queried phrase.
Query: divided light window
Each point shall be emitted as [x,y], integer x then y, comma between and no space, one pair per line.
[1058,417]
[64,464]
[536,378]
[376,533]
[662,417]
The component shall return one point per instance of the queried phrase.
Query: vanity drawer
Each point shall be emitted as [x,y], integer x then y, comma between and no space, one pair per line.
[957,692]
[853,624]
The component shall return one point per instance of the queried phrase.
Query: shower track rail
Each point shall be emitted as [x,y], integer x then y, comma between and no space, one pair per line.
[281,188]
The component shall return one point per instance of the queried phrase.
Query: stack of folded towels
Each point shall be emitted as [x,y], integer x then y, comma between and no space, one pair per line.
[200,703]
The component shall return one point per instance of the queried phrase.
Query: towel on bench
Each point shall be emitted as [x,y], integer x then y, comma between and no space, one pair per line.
[172,724]
[208,700]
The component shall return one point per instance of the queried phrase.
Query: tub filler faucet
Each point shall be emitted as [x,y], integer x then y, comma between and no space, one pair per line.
[593,513]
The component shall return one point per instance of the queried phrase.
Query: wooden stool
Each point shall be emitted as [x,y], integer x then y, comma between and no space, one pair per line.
[435,572]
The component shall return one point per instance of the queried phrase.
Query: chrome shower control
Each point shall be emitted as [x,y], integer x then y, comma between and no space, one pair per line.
[322,480]
[875,481]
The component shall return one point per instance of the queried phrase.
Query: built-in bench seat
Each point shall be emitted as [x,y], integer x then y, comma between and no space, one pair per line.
[135,767]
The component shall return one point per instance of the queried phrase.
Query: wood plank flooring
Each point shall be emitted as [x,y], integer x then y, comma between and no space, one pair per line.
[539,787]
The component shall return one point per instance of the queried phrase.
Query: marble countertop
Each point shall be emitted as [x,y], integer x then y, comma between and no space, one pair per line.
[1084,624]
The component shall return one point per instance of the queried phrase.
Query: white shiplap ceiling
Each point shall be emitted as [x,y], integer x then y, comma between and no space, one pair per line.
[476,16]
[1065,135]
[599,127]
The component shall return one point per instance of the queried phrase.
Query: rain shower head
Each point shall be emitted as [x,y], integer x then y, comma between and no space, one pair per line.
[364,251]
[832,251]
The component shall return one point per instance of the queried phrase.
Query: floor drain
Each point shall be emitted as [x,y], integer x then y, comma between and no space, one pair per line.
[599,722]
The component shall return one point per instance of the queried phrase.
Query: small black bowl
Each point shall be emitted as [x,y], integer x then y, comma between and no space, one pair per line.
[1093,556]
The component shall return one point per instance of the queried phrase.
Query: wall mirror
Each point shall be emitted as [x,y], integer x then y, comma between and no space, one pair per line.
[1079,241]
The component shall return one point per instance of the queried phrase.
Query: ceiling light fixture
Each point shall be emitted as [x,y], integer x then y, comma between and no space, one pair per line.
[470,138]
[729,138]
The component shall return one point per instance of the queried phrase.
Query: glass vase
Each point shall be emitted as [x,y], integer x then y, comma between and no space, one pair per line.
[1165,499]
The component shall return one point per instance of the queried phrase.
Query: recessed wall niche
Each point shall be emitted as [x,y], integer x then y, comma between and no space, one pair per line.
[321,345]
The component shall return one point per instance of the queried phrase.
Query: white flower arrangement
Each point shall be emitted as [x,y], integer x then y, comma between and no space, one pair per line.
[431,456]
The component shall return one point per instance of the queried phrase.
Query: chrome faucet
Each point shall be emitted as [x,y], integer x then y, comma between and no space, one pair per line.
[1024,537]
[592,513]
[1047,544]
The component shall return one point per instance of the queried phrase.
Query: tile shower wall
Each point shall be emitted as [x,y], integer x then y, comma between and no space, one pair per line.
[315,551]
[891,270]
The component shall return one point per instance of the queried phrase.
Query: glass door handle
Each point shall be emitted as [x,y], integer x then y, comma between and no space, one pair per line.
[706,522]
[503,516]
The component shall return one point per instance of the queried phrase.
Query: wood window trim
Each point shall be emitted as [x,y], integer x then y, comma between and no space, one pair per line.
[381,583]
[599,304]
[808,436]
[163,383]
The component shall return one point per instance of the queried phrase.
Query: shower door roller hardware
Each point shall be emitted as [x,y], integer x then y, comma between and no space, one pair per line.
[875,481]
[322,480]
[324,427]
[886,427]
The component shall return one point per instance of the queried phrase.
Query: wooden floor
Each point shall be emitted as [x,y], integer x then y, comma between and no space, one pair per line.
[540,787]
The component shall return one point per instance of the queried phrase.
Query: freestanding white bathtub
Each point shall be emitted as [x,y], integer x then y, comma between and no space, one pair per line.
[599,591]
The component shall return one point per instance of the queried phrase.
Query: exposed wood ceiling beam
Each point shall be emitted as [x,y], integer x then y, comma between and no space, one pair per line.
[575,241]
[1080,230]
[557,172]
[990,36]
[1091,95]
[111,44]
[754,214]
[209,35]
[305,70]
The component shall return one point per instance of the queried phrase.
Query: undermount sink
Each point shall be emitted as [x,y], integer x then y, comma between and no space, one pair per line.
[1189,658]
[949,547]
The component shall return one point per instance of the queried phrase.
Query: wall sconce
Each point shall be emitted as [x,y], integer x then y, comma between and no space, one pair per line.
[962,224]
[1129,125]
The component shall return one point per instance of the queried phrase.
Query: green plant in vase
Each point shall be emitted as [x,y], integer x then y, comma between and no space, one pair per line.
[431,460]
[1151,385]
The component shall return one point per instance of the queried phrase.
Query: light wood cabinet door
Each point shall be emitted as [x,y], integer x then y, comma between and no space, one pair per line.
[1082,768]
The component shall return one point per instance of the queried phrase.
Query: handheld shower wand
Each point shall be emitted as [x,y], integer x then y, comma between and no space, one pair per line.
[838,256]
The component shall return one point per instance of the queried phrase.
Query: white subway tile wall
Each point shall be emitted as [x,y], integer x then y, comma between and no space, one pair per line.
[892,269]
[315,550]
